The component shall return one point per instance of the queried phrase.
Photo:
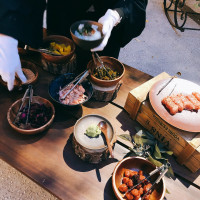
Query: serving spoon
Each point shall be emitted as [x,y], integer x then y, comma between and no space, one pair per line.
[103,126]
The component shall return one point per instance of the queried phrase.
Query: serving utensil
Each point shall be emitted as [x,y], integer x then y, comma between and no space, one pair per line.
[178,73]
[28,93]
[103,126]
[42,50]
[163,168]
[96,56]
[79,79]
[29,102]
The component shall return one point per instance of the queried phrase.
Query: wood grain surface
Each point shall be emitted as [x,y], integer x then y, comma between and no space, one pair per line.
[49,159]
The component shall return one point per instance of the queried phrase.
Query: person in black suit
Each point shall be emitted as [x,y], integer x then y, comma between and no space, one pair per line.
[22,21]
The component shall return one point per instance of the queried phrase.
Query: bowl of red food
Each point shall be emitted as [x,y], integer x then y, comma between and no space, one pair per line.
[129,172]
[40,115]
[87,34]
[62,84]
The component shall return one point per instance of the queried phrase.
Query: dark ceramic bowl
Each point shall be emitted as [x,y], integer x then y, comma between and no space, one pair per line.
[60,40]
[136,164]
[111,62]
[86,44]
[61,81]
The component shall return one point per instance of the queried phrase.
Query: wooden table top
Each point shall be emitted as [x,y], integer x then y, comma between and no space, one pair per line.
[49,159]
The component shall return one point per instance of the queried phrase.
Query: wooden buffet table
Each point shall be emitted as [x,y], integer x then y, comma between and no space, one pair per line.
[49,159]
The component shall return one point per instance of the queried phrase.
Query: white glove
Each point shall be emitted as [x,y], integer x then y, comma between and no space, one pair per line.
[109,20]
[10,61]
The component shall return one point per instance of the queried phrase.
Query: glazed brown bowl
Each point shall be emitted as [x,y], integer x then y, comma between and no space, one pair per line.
[86,44]
[30,71]
[112,63]
[136,164]
[12,112]
[60,40]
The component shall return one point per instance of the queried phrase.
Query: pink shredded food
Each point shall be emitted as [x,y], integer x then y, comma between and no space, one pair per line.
[179,102]
[76,96]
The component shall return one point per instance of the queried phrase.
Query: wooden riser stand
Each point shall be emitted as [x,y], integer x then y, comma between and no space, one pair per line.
[185,145]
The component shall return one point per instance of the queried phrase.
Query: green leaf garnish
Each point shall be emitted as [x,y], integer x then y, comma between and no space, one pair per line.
[126,137]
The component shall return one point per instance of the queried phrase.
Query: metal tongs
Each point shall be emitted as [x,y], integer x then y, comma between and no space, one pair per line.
[95,57]
[179,74]
[163,168]
[28,93]
[79,79]
[42,50]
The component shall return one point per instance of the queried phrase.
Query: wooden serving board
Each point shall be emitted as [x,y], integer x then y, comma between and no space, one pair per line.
[49,159]
[185,145]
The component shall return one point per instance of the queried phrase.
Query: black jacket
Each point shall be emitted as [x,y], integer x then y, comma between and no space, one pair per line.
[61,14]
[23,19]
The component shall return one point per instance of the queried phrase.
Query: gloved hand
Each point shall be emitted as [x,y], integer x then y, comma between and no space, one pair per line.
[10,61]
[109,20]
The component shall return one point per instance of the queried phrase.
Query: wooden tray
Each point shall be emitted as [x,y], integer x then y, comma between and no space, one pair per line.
[184,144]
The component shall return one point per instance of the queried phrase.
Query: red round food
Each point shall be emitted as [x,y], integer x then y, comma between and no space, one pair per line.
[127,172]
[135,192]
[129,196]
[130,183]
[123,187]
[125,180]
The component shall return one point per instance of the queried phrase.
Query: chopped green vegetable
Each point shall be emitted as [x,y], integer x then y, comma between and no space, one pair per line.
[102,74]
[93,131]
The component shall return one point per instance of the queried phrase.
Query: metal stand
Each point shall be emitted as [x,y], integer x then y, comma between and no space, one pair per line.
[178,8]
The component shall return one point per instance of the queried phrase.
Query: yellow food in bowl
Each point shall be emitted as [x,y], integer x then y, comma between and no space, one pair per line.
[60,49]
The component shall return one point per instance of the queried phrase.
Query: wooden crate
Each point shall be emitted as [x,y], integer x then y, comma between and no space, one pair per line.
[185,145]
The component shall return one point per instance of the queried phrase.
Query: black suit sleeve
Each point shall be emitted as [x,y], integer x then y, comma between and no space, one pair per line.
[22,20]
[133,13]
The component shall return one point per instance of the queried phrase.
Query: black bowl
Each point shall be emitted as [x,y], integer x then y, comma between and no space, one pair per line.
[86,44]
[61,81]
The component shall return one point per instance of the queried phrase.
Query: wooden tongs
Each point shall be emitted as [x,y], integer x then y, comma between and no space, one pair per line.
[163,169]
[28,94]
[95,57]
[79,79]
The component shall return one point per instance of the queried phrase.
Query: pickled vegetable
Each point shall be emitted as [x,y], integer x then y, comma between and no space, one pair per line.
[60,49]
[102,73]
